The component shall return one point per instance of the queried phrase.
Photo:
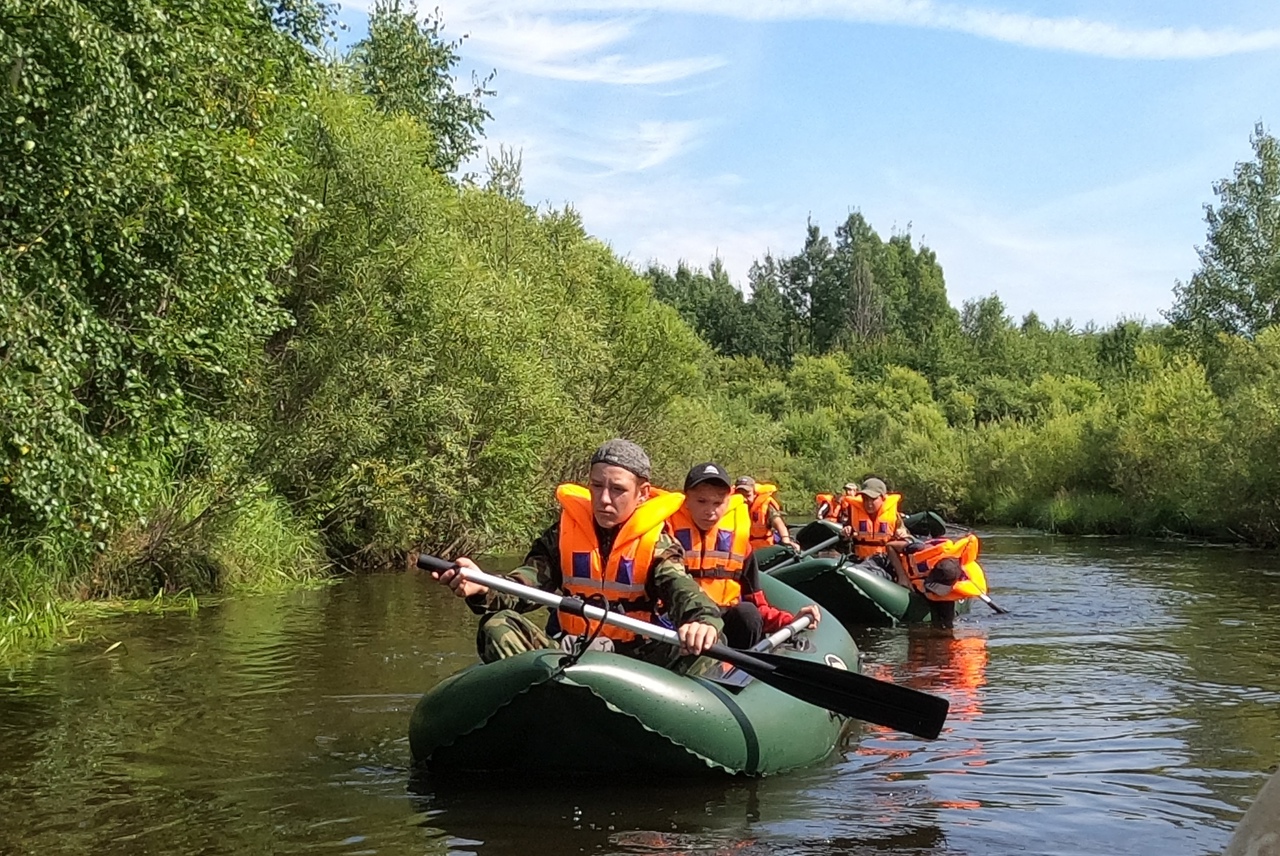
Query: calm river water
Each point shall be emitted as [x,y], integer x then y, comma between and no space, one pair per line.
[1129,703]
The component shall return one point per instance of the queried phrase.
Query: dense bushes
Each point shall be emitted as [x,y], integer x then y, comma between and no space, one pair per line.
[245,319]
[454,350]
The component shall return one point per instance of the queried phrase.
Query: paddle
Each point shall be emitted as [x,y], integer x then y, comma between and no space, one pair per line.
[991,603]
[773,640]
[840,691]
[804,554]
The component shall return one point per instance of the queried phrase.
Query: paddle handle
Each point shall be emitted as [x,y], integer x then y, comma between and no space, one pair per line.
[805,554]
[776,638]
[571,605]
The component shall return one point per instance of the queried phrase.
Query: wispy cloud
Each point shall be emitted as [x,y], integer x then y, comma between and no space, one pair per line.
[1068,258]
[529,40]
[606,151]
[1069,34]
[540,39]
[685,219]
[616,70]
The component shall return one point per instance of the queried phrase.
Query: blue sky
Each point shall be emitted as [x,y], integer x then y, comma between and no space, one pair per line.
[1056,153]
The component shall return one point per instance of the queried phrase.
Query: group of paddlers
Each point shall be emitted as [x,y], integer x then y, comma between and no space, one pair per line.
[686,559]
[871,519]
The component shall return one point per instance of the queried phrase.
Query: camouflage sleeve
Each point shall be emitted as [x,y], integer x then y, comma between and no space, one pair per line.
[670,584]
[773,514]
[541,569]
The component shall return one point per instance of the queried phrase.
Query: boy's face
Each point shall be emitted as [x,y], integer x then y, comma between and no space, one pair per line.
[615,494]
[707,503]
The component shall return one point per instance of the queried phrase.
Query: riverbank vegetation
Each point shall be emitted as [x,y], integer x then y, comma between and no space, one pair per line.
[255,317]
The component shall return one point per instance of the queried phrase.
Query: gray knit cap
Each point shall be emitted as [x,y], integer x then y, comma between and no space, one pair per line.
[625,454]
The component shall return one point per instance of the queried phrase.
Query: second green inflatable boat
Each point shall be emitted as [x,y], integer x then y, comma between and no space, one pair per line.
[854,595]
[616,715]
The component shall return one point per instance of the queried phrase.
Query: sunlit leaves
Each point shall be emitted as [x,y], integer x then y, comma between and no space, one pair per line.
[406,65]
[145,203]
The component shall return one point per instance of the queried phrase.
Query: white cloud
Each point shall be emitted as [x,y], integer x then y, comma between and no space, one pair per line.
[512,37]
[1070,34]
[541,40]
[683,220]
[543,45]
[633,148]
[1064,259]
[614,69]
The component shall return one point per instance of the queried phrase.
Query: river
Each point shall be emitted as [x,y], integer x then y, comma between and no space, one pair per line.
[1128,703]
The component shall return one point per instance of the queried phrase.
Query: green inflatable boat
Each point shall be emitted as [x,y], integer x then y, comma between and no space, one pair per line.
[854,595]
[616,715]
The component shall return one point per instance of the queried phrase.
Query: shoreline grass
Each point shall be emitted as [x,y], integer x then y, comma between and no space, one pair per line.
[184,559]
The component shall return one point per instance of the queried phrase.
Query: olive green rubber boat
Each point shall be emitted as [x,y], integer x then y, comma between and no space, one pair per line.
[616,715]
[854,595]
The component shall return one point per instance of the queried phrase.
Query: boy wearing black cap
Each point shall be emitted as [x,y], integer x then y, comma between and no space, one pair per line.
[714,528]
[609,541]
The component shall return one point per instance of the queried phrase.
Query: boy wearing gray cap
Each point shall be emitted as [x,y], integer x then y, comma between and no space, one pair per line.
[609,543]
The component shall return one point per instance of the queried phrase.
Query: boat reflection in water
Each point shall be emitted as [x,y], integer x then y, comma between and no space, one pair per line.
[715,817]
[951,663]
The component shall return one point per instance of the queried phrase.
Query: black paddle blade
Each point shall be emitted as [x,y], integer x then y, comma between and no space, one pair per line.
[847,693]
[991,603]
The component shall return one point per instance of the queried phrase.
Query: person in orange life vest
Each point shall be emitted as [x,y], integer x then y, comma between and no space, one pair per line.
[714,529]
[609,541]
[944,574]
[767,523]
[850,491]
[872,523]
[829,506]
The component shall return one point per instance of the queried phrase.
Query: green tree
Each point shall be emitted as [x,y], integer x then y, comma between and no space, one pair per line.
[710,303]
[772,321]
[1118,348]
[1237,289]
[806,287]
[924,324]
[406,66]
[852,307]
[146,194]
[989,334]
[1171,433]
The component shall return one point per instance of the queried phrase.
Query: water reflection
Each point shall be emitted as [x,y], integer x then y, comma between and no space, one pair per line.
[730,817]
[1128,703]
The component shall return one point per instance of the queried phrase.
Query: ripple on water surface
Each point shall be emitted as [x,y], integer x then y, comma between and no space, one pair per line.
[1129,703]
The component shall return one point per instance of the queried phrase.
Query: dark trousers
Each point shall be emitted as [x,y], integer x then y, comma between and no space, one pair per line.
[743,624]
[942,613]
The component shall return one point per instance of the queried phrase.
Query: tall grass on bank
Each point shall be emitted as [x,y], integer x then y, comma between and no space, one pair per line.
[24,621]
[180,551]
[29,610]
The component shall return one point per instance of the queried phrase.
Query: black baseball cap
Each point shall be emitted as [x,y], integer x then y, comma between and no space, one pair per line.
[705,473]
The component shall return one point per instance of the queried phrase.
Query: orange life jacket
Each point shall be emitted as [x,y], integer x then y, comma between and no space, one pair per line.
[832,507]
[844,506]
[871,535]
[715,558]
[622,578]
[965,550]
[761,532]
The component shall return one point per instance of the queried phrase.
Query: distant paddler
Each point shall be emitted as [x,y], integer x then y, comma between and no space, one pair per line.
[872,523]
[828,504]
[768,526]
[714,528]
[609,544]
